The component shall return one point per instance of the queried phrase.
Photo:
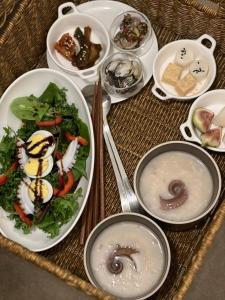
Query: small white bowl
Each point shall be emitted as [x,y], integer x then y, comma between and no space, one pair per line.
[214,101]
[68,23]
[167,55]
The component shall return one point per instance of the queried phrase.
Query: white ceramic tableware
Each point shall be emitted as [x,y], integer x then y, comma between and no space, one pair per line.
[106,11]
[67,24]
[214,101]
[166,55]
[35,82]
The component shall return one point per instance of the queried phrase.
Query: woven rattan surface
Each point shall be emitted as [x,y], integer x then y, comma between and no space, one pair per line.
[141,123]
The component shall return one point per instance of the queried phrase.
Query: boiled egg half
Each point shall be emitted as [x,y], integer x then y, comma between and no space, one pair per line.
[38,167]
[40,144]
[29,191]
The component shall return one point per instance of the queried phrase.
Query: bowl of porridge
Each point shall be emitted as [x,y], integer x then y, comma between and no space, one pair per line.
[128,256]
[177,183]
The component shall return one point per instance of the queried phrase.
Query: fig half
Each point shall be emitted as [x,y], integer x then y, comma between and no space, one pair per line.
[202,119]
[212,137]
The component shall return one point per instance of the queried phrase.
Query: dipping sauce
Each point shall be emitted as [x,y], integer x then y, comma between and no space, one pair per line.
[133,252]
[176,186]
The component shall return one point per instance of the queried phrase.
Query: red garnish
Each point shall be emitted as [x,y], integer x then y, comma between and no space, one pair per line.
[71,137]
[67,186]
[54,122]
[22,214]
[4,177]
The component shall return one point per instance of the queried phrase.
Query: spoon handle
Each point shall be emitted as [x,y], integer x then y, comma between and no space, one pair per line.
[128,199]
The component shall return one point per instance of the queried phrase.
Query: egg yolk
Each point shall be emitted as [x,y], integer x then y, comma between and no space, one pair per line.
[40,188]
[34,140]
[32,166]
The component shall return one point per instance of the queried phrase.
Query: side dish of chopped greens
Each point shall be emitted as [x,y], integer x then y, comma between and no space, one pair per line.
[42,162]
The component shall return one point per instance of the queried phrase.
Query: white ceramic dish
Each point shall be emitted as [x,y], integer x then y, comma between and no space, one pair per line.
[67,24]
[34,82]
[167,55]
[106,11]
[213,100]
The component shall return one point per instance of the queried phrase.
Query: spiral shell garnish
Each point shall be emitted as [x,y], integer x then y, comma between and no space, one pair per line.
[114,263]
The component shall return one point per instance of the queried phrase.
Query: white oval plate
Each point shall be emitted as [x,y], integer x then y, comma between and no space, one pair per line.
[213,100]
[35,82]
[106,11]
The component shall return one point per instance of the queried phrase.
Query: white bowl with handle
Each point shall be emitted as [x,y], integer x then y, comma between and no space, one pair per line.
[166,55]
[212,100]
[67,24]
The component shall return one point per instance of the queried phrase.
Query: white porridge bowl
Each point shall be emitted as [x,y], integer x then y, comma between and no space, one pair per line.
[67,24]
[166,55]
[177,183]
[130,231]
[214,101]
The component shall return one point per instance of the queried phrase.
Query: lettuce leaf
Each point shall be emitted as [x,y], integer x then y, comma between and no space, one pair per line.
[61,211]
[29,108]
[7,149]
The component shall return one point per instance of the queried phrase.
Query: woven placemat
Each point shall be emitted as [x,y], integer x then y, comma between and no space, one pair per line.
[143,122]
[138,125]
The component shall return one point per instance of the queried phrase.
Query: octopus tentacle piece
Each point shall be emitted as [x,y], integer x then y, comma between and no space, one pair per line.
[114,264]
[69,158]
[177,189]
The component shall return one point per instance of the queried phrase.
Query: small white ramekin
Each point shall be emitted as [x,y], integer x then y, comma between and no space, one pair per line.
[167,54]
[68,23]
[213,100]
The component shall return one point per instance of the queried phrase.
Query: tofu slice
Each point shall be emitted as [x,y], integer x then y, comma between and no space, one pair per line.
[185,85]
[172,74]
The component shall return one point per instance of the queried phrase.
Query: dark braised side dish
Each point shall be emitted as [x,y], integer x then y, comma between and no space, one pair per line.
[132,32]
[85,54]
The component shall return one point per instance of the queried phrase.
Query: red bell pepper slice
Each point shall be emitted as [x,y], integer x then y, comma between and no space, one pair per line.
[54,122]
[67,187]
[21,214]
[4,177]
[80,139]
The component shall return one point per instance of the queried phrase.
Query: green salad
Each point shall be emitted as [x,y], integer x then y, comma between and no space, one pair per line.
[42,163]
